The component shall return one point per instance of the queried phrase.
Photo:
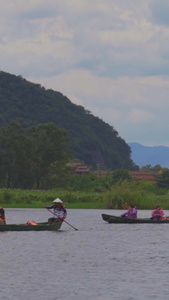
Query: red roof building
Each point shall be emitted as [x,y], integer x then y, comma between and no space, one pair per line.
[79,169]
[143,175]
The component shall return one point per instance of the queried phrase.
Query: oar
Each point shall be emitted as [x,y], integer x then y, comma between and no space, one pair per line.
[61,219]
[127,205]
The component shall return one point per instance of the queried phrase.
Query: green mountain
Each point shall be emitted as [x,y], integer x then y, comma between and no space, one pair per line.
[93,141]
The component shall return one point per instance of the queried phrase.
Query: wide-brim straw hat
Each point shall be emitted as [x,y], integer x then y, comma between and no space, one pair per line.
[57,200]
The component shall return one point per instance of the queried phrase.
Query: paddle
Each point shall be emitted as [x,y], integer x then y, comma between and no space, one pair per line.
[61,219]
[127,205]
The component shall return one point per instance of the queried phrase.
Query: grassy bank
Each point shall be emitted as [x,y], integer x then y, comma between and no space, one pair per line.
[39,199]
[144,196]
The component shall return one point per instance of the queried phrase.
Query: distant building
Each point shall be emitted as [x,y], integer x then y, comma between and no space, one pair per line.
[80,169]
[136,175]
[143,175]
[101,173]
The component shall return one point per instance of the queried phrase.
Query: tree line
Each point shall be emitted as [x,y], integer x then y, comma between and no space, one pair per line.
[34,157]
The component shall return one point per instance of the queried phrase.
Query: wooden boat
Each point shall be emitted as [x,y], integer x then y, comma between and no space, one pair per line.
[122,220]
[26,227]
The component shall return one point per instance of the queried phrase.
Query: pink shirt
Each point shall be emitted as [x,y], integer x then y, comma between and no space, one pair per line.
[157,214]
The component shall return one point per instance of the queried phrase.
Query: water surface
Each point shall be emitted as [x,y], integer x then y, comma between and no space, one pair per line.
[100,261]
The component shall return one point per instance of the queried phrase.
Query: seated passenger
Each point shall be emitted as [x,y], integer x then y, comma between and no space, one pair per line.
[157,214]
[131,213]
[2,216]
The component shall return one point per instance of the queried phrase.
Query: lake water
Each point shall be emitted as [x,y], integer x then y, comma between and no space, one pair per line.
[100,261]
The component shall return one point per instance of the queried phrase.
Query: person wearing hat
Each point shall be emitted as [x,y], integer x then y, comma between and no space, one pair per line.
[59,211]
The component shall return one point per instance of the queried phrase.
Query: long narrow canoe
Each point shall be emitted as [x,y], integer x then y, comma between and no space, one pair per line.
[122,220]
[25,227]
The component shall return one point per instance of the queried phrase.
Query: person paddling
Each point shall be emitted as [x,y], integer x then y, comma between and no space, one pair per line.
[131,213]
[157,213]
[59,211]
[2,216]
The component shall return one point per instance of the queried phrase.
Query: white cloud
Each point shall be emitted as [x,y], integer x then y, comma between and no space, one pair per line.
[123,93]
[111,57]
[137,116]
[75,100]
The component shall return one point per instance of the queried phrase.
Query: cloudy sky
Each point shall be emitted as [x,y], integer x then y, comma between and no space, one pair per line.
[110,56]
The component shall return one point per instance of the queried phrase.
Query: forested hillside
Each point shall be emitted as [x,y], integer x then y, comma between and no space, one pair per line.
[93,140]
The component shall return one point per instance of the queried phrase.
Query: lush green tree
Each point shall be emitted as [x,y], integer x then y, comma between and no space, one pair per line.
[156,168]
[149,168]
[164,173]
[34,157]
[49,147]
[163,178]
[88,182]
[120,175]
[146,168]
[13,156]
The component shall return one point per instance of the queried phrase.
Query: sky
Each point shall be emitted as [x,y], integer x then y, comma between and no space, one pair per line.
[109,56]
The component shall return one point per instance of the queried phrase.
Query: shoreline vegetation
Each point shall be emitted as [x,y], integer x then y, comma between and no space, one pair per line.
[145,196]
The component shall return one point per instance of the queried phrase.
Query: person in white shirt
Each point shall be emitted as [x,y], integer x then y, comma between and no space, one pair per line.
[59,211]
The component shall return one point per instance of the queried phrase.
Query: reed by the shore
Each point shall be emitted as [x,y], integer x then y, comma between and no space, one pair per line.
[144,197]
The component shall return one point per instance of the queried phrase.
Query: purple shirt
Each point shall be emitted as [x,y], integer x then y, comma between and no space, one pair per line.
[131,214]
